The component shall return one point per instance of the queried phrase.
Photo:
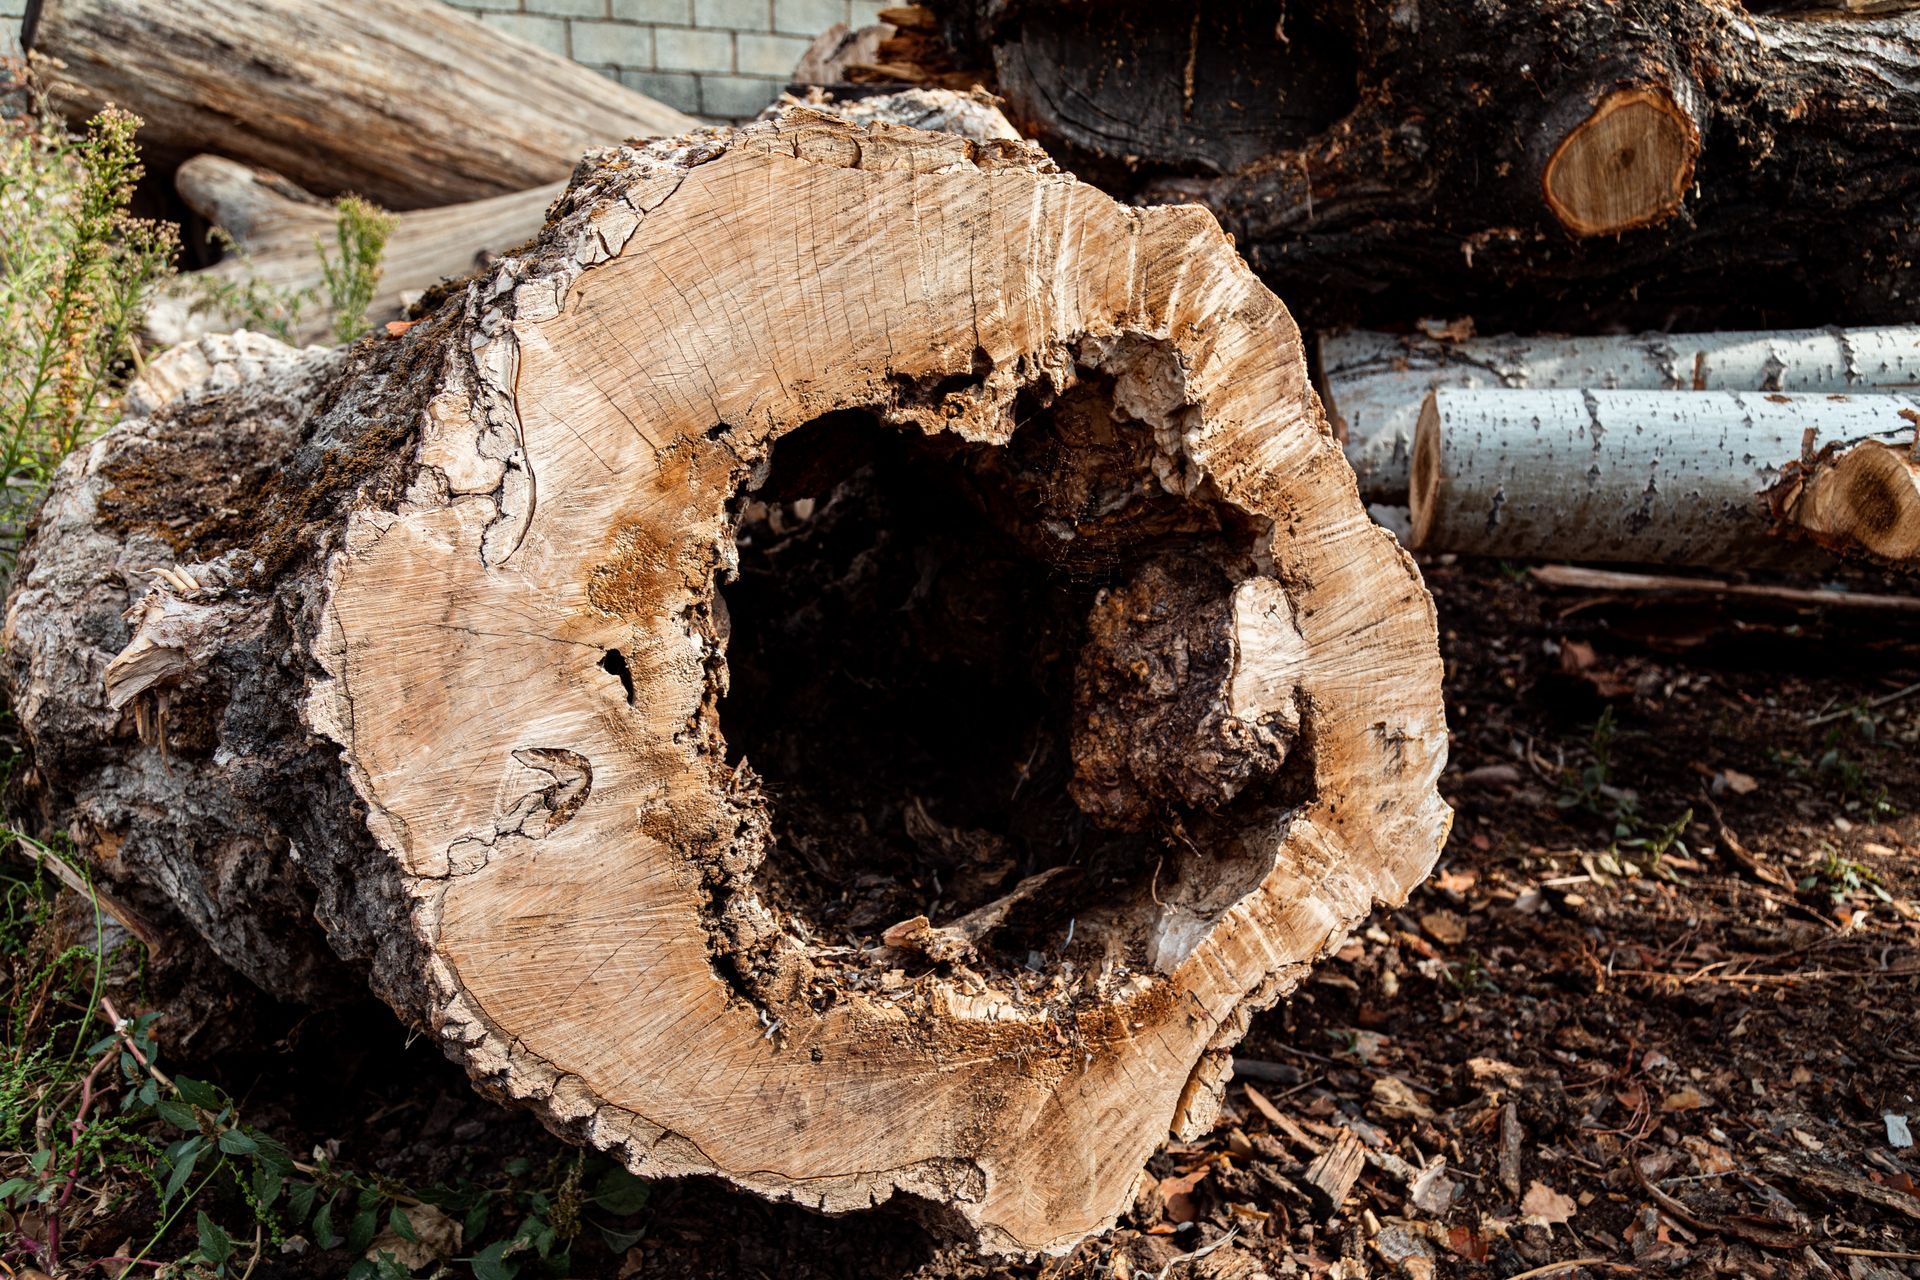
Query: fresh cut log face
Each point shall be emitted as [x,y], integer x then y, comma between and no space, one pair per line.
[872,671]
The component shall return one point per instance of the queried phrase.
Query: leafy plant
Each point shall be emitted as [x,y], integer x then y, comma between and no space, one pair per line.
[76,270]
[360,234]
[1840,878]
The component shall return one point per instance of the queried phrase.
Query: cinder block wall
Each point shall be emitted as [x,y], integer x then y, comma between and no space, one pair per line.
[721,58]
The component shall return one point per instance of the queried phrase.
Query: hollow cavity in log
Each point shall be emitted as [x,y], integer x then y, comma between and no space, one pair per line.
[964,670]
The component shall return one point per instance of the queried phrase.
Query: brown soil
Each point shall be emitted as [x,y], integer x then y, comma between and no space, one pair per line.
[1635,1031]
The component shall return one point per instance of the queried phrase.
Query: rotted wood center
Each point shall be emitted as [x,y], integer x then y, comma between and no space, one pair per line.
[994,697]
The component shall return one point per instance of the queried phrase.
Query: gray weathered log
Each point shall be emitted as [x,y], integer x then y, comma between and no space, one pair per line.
[407,102]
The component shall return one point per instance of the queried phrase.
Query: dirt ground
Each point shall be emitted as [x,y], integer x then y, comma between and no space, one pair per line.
[1657,1010]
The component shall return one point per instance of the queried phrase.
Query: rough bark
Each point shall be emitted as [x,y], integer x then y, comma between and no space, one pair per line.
[407,102]
[1719,479]
[1375,384]
[476,644]
[1530,163]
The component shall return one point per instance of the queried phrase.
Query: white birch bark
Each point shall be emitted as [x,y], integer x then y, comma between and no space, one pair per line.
[1376,382]
[1653,477]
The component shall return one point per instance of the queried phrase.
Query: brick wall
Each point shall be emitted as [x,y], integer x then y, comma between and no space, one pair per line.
[720,58]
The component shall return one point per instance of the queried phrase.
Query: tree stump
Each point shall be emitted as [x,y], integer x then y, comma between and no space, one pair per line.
[855,665]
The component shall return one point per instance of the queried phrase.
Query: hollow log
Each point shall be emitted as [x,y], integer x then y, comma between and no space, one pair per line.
[1709,478]
[1375,384]
[1533,165]
[407,102]
[860,704]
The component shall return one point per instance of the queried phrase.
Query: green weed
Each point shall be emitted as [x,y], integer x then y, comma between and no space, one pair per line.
[76,271]
[360,234]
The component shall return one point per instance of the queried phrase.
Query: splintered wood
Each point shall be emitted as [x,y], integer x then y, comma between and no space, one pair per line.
[556,557]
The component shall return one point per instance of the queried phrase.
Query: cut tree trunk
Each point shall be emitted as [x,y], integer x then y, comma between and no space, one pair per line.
[279,233]
[1532,165]
[407,102]
[854,666]
[1711,478]
[1375,384]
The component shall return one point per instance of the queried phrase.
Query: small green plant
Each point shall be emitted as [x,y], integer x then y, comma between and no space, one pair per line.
[1590,788]
[89,1116]
[76,271]
[1840,878]
[360,233]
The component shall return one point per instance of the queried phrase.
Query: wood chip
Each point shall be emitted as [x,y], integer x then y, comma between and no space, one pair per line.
[1334,1171]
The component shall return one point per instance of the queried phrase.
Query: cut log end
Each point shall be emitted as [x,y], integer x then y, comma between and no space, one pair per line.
[1626,165]
[1865,499]
[860,710]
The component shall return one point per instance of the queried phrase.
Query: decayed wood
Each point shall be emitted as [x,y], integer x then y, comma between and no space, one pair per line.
[1374,384]
[1708,478]
[456,650]
[1529,164]
[279,233]
[407,102]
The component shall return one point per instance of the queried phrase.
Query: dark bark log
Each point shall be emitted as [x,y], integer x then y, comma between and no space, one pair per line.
[407,102]
[1539,164]
[474,644]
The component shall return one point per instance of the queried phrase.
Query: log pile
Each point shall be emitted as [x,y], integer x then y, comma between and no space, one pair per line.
[851,723]
[1534,165]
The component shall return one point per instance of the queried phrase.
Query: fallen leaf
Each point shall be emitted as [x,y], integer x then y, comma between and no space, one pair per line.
[1467,1243]
[435,1238]
[1447,928]
[1177,1192]
[1686,1100]
[1545,1206]
[1733,780]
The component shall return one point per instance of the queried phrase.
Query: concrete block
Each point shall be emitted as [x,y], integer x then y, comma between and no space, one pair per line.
[768,55]
[733,15]
[807,17]
[736,97]
[548,33]
[679,49]
[616,44]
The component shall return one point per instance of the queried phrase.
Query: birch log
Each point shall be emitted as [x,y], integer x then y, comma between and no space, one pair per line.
[854,665]
[407,102]
[1710,478]
[1375,384]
